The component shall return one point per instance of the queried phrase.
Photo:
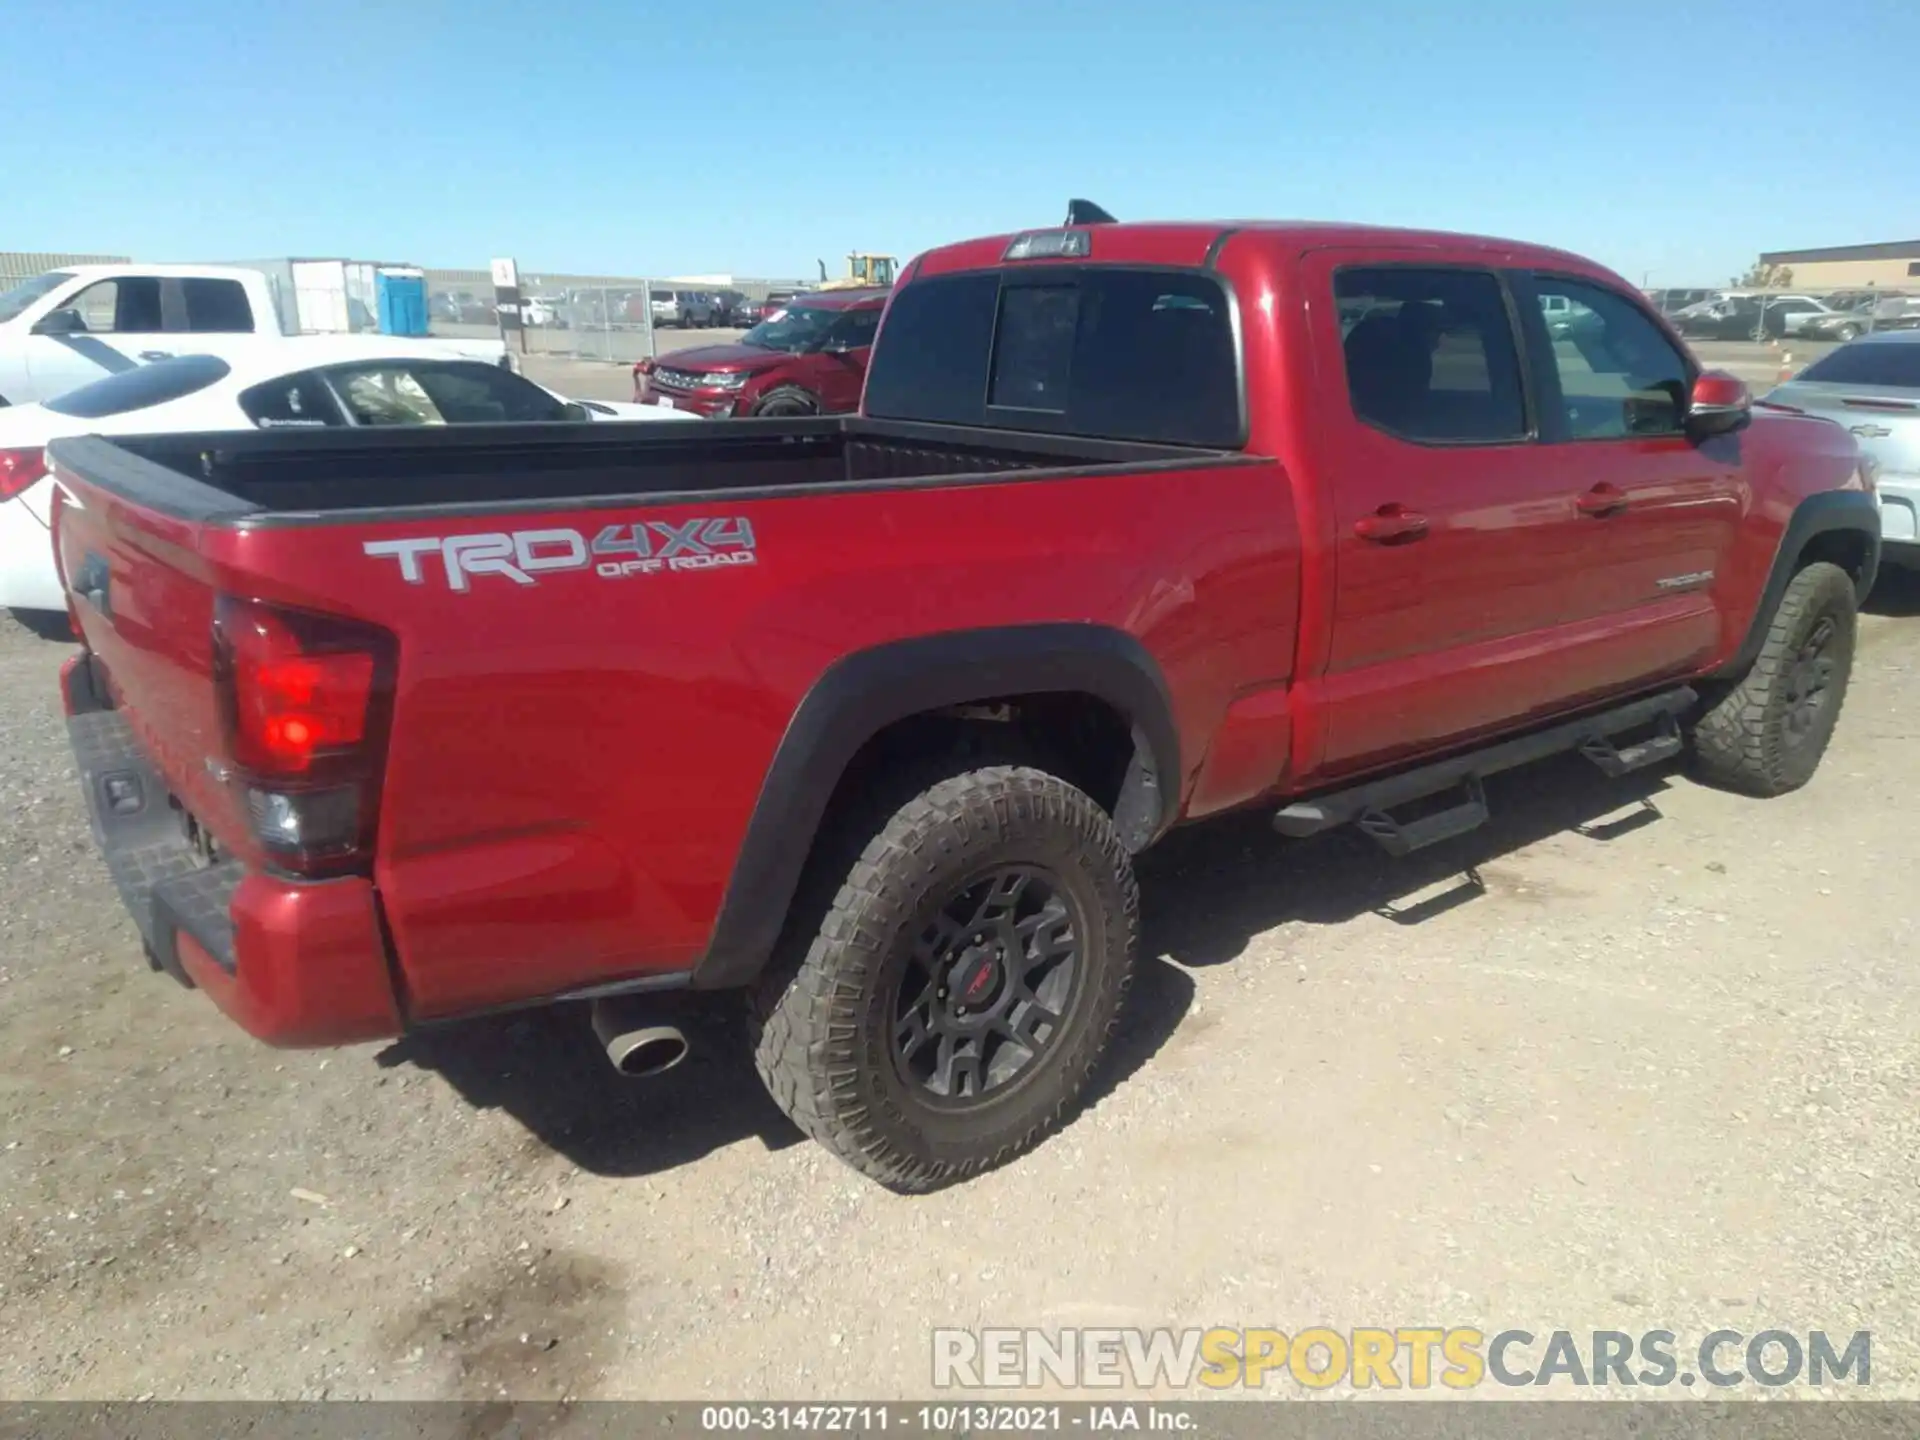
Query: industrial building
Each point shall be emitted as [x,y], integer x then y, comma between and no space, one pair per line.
[1892,265]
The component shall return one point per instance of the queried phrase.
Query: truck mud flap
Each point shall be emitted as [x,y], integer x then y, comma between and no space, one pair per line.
[1371,804]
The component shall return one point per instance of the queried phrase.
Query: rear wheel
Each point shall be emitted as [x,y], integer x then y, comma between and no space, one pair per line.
[963,983]
[1849,332]
[1766,735]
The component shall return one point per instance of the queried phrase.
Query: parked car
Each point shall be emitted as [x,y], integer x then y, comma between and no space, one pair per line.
[1744,316]
[1897,312]
[1872,387]
[683,309]
[1671,302]
[1564,317]
[1837,322]
[734,310]
[665,307]
[775,301]
[463,307]
[324,384]
[67,327]
[1858,299]
[866,721]
[699,310]
[810,359]
[542,312]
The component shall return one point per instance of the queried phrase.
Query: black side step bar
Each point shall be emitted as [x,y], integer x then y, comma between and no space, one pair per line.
[1371,803]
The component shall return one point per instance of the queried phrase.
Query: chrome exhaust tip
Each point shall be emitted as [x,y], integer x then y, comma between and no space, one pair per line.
[639,1050]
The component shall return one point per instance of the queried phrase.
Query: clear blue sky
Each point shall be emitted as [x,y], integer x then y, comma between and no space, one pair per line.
[756,135]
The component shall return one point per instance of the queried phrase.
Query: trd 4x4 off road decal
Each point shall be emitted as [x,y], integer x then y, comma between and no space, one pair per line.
[644,547]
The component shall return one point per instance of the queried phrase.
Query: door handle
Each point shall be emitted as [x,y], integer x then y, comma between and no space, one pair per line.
[1391,525]
[1601,501]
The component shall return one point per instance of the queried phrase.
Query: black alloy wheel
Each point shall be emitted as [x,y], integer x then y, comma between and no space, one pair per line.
[985,987]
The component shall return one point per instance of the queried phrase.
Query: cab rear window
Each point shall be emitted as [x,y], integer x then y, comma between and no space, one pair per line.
[1102,352]
[1872,362]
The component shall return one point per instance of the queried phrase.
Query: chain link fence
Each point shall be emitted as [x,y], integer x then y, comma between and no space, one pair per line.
[613,318]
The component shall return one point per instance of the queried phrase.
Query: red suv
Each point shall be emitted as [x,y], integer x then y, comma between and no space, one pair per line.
[809,358]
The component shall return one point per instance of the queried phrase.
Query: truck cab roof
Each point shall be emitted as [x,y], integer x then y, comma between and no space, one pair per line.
[171,272]
[1201,243]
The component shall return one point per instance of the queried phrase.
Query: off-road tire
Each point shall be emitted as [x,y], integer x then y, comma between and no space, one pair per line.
[786,400]
[1743,740]
[823,1019]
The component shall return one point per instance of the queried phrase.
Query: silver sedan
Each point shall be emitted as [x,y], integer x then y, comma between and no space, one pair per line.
[1872,387]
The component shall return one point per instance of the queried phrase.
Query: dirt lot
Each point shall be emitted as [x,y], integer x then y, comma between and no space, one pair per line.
[1659,1068]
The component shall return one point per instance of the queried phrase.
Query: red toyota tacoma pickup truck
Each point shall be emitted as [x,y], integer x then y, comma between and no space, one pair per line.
[867,716]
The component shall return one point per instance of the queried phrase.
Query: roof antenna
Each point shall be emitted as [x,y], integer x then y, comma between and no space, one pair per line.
[1085,212]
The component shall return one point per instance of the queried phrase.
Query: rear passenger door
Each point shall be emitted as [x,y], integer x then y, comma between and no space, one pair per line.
[1453,535]
[1656,513]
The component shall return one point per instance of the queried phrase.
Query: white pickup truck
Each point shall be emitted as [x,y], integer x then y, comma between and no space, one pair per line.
[68,327]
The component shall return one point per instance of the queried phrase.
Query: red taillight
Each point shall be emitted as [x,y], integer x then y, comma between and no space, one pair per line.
[306,699]
[19,469]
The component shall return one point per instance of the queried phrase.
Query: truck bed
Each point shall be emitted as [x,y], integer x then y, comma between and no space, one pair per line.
[295,476]
[574,751]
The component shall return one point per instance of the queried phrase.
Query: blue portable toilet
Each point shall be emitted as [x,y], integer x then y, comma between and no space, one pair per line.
[400,296]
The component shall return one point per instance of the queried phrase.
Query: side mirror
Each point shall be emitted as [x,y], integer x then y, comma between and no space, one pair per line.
[60,322]
[1720,404]
[574,410]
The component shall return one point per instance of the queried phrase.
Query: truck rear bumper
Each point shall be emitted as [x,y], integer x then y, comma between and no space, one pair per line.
[294,963]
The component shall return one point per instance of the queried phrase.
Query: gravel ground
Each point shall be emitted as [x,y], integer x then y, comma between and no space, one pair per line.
[1657,1069]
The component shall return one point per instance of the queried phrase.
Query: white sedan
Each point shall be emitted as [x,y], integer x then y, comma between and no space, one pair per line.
[337,384]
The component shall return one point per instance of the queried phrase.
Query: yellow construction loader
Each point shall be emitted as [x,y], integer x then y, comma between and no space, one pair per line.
[863,272]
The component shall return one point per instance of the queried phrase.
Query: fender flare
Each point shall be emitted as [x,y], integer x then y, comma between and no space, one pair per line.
[1819,514]
[861,694]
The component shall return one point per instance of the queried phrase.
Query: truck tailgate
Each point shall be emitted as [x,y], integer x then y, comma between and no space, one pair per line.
[294,962]
[142,598]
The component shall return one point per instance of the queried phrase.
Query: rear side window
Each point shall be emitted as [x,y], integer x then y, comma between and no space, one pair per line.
[1113,353]
[1876,362]
[1430,354]
[856,328]
[141,387]
[291,402]
[217,307]
[449,393]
